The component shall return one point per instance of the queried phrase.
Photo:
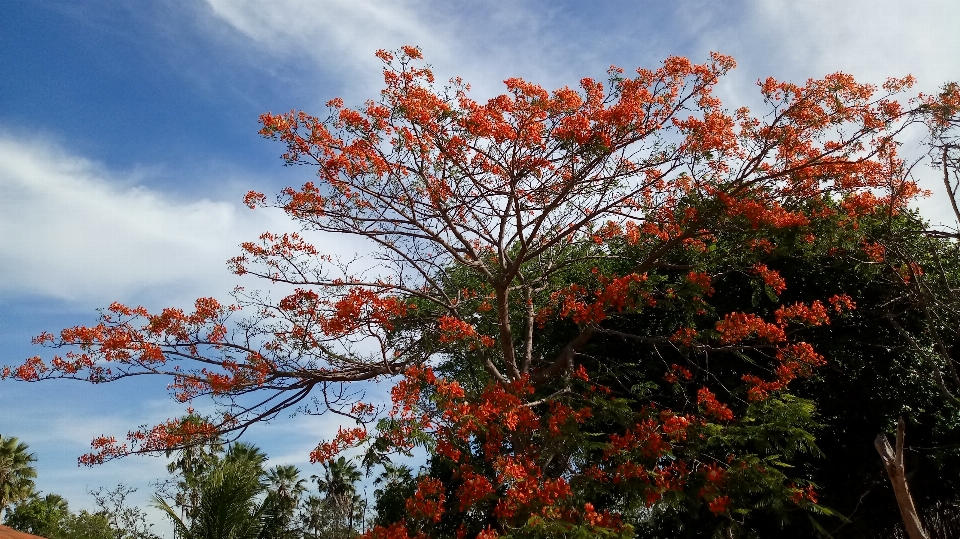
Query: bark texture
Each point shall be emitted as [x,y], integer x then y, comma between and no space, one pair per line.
[893,462]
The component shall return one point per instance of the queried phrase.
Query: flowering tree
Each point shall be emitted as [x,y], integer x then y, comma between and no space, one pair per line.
[513,235]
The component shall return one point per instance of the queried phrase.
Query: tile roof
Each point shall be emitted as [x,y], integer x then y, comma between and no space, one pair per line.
[10,533]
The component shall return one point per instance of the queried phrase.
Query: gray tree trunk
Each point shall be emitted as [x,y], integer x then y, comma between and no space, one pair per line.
[893,462]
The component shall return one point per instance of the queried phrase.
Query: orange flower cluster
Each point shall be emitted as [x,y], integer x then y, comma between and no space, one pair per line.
[476,488]
[807,493]
[701,280]
[842,303]
[712,407]
[737,327]
[173,433]
[617,294]
[345,438]
[875,251]
[770,277]
[676,372]
[453,329]
[118,340]
[719,505]
[643,437]
[599,520]
[814,314]
[684,337]
[427,501]
[762,213]
[796,359]
[714,479]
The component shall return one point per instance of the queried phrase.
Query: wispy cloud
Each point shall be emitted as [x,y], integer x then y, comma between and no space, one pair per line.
[869,39]
[556,43]
[75,232]
[71,229]
[483,42]
[337,33]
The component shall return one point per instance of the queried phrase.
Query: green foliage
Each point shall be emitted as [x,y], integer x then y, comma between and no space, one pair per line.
[50,516]
[127,521]
[186,467]
[233,495]
[874,377]
[229,498]
[16,472]
[394,486]
[40,516]
[538,528]
[339,511]
[284,491]
[85,525]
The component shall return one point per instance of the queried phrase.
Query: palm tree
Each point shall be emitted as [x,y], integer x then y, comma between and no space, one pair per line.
[313,517]
[242,451]
[338,485]
[16,472]
[284,489]
[339,478]
[228,498]
[190,463]
[285,481]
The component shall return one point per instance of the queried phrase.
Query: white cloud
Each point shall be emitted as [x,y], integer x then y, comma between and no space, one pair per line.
[556,44]
[869,39]
[337,32]
[483,42]
[72,230]
[75,231]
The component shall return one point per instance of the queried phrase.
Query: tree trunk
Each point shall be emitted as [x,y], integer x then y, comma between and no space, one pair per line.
[893,462]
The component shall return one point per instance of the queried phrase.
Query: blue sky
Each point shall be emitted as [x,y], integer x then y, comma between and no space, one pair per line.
[128,134]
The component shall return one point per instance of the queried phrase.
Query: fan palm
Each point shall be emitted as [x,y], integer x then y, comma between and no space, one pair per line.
[339,478]
[285,481]
[16,472]
[284,487]
[338,485]
[313,517]
[244,452]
